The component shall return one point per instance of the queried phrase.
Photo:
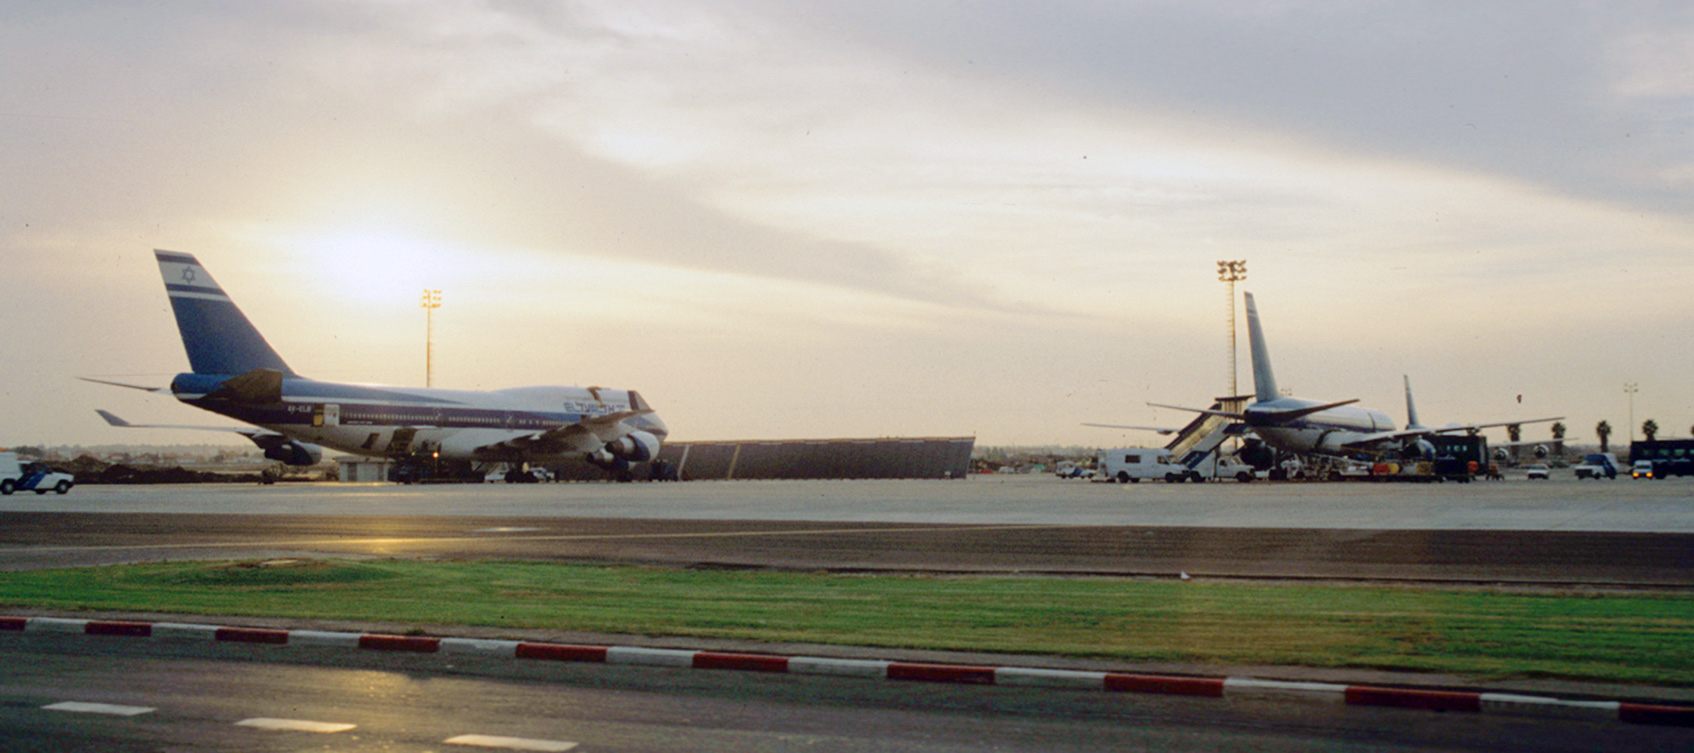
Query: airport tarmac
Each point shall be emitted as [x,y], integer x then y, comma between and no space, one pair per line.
[1617,533]
[1562,504]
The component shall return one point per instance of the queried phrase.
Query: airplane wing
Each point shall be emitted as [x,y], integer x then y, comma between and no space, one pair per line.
[1532,442]
[1422,431]
[1474,427]
[1158,429]
[246,431]
[1263,416]
[585,436]
[277,446]
[1207,411]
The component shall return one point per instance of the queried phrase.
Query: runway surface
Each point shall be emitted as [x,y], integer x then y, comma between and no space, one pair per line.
[1563,504]
[1596,533]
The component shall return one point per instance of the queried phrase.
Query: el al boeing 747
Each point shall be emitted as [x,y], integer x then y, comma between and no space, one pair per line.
[235,373]
[1333,428]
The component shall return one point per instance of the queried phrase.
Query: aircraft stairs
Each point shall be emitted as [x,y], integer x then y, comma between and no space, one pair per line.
[1206,433]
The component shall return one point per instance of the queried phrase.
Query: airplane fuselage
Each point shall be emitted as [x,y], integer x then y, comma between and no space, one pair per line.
[375,420]
[1326,432]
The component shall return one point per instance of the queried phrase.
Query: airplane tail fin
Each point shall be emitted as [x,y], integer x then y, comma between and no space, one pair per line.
[1264,381]
[1411,410]
[218,337]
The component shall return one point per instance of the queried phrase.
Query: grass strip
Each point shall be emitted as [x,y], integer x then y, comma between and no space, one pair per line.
[1626,638]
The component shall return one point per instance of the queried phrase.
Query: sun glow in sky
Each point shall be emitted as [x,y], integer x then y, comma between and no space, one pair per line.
[866,219]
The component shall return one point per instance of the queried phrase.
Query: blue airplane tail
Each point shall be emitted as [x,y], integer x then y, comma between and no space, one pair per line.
[217,336]
[1264,380]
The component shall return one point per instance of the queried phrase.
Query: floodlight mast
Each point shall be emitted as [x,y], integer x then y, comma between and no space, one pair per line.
[430,302]
[1232,272]
[1630,388]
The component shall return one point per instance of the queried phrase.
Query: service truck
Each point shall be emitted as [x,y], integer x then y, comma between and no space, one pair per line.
[1597,465]
[1128,465]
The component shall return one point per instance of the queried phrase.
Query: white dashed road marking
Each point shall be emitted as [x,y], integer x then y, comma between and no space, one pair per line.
[77,707]
[510,743]
[295,725]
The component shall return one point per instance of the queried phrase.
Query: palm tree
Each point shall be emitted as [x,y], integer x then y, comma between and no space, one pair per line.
[1650,428]
[1603,430]
[1558,438]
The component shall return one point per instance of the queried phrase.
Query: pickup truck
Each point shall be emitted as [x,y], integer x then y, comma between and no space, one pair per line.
[1597,465]
[35,476]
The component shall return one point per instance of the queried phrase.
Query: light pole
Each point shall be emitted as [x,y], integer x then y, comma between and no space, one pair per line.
[431,301]
[1630,388]
[1232,272]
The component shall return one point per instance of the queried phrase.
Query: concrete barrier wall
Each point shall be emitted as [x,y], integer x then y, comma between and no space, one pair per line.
[927,457]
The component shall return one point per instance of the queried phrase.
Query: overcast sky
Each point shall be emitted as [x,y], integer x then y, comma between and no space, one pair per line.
[859,219]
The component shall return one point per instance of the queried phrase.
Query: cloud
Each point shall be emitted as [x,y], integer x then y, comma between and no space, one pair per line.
[905,181]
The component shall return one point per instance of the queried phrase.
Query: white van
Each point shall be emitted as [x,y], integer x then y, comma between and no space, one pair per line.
[34,476]
[1128,465]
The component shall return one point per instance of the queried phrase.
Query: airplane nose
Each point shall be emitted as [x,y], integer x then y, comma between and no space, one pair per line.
[655,425]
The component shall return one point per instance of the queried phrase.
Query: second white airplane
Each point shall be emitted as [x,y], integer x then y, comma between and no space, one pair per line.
[1302,426]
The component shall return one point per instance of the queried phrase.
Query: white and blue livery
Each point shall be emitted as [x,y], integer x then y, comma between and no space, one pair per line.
[236,373]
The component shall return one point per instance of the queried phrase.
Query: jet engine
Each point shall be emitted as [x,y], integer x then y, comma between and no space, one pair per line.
[1419,449]
[290,452]
[634,447]
[617,455]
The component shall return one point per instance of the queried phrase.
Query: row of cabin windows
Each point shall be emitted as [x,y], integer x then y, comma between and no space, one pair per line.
[474,419]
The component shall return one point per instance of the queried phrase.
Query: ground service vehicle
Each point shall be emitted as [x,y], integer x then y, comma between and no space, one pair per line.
[1128,465]
[1665,457]
[1537,471]
[33,476]
[1597,465]
[1069,469]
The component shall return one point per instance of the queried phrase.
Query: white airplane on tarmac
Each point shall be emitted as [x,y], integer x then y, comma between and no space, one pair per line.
[1308,426]
[237,374]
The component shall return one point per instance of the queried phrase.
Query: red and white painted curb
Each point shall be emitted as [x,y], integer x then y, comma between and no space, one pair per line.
[1230,687]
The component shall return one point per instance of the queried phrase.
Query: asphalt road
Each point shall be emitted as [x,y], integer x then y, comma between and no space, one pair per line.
[151,696]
